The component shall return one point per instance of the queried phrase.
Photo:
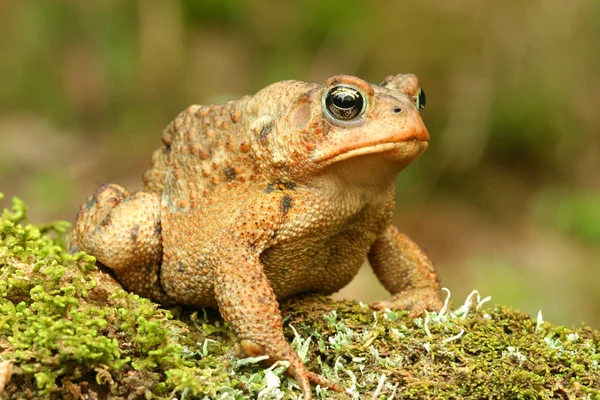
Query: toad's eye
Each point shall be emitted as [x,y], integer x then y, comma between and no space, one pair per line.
[421,100]
[344,104]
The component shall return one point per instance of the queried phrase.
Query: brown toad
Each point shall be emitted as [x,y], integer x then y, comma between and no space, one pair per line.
[284,192]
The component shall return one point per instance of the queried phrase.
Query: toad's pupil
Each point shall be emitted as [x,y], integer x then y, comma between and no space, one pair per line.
[345,100]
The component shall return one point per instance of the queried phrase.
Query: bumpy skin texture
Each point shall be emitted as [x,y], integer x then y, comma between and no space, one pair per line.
[266,197]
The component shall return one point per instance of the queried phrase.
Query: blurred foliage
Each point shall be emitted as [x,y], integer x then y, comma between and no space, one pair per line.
[512,91]
[574,213]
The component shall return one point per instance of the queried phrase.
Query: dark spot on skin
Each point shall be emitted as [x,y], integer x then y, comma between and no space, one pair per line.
[180,267]
[285,204]
[166,141]
[386,80]
[280,185]
[290,185]
[108,186]
[106,220]
[91,202]
[265,130]
[157,228]
[308,96]
[269,189]
[230,174]
[135,231]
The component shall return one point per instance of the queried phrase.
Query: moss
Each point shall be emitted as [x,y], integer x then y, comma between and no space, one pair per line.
[69,330]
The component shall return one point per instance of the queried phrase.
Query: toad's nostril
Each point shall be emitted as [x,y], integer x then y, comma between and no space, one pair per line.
[397,110]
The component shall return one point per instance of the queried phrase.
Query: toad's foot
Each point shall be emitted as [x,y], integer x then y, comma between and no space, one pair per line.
[416,300]
[284,352]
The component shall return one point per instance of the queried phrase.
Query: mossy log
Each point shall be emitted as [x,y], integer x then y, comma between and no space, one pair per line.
[68,330]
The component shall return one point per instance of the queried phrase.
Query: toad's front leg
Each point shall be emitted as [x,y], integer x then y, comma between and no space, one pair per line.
[406,271]
[247,302]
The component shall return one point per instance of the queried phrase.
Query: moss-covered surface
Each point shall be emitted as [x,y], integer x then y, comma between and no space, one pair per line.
[67,330]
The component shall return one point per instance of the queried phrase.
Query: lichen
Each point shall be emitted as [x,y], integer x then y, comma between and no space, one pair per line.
[67,329]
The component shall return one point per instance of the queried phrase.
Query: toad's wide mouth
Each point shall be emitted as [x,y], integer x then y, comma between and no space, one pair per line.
[403,152]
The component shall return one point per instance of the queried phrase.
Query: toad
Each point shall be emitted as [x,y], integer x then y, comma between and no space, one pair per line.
[284,192]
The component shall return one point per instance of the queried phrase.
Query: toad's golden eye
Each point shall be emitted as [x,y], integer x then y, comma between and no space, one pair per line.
[421,100]
[344,103]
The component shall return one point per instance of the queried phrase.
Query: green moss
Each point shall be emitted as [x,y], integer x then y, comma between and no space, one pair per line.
[69,331]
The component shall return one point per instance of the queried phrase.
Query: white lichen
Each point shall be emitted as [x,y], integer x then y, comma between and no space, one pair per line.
[351,389]
[513,353]
[539,321]
[427,346]
[446,302]
[396,332]
[452,338]
[572,337]
[272,389]
[379,387]
[331,317]
[463,310]
[391,315]
[426,324]
[444,318]
[300,344]
[343,338]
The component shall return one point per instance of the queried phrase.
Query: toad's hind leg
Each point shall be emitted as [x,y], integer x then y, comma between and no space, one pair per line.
[123,232]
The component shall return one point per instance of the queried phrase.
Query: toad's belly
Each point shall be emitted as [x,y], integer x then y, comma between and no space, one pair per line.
[323,266]
[299,265]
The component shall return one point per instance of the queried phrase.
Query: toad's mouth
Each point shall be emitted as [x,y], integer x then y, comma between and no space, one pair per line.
[403,152]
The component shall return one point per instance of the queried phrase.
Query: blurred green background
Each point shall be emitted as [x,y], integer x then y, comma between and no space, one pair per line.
[506,200]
